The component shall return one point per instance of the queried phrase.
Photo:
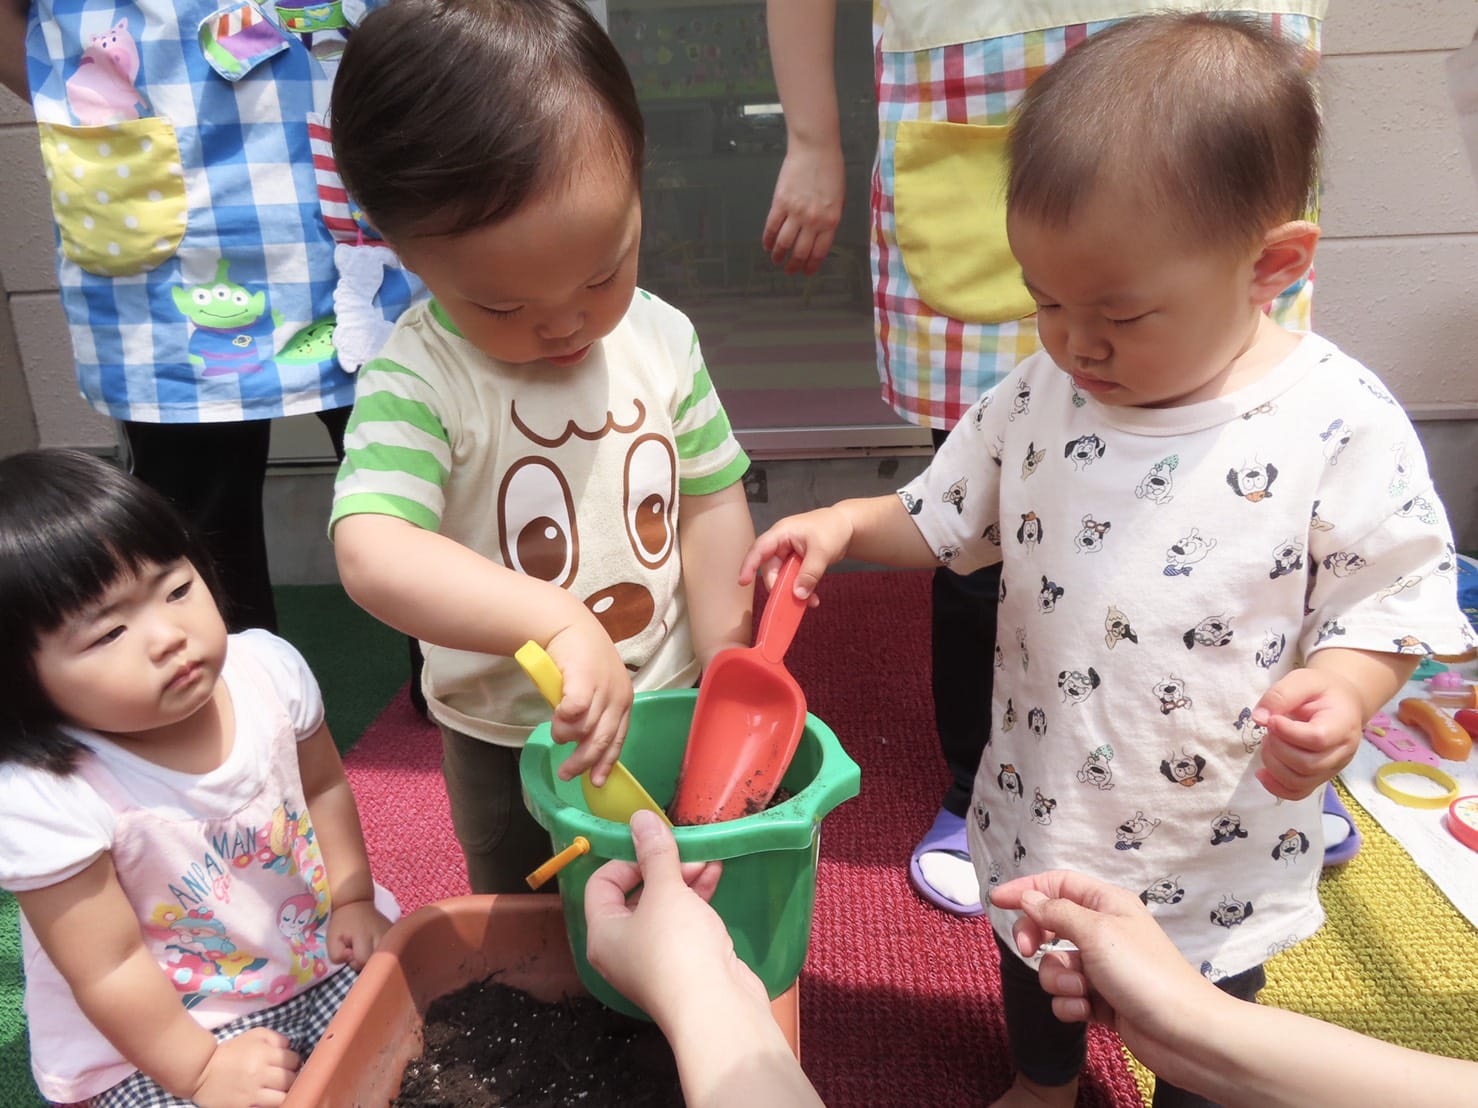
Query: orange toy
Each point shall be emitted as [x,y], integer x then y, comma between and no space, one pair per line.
[1448,739]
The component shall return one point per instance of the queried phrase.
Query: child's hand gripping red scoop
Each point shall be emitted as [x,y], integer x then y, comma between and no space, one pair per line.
[748,719]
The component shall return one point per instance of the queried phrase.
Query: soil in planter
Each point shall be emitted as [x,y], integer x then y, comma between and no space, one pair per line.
[488,1044]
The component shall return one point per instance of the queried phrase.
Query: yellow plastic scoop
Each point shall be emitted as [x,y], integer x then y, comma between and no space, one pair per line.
[622,793]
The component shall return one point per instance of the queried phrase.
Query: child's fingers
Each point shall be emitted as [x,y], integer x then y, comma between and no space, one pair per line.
[1291,790]
[1284,781]
[358,947]
[1288,694]
[1297,734]
[266,1036]
[763,558]
[597,754]
[600,772]
[1294,751]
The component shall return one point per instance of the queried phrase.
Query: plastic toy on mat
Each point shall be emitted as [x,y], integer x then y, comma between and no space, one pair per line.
[1397,742]
[1451,690]
[1462,820]
[1448,739]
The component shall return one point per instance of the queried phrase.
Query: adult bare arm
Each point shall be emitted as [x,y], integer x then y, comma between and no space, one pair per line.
[1126,973]
[810,188]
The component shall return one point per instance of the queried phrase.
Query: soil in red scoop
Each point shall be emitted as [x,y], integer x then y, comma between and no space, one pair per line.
[488,1044]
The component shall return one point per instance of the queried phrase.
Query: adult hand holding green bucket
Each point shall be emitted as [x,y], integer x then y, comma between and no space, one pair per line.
[768,891]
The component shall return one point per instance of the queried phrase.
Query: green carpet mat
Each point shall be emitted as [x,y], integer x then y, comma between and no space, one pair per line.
[16,1087]
[360,664]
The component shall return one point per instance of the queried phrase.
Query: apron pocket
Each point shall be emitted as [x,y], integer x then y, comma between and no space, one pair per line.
[949,205]
[117,192]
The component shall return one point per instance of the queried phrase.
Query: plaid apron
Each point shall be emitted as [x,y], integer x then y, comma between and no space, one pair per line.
[932,364]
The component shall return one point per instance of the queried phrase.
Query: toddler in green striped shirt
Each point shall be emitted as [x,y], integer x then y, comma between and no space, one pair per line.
[538,452]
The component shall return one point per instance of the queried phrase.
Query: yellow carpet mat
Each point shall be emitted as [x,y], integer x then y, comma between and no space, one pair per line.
[1394,960]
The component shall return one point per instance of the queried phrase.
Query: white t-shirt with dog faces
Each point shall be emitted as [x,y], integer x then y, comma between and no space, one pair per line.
[1163,568]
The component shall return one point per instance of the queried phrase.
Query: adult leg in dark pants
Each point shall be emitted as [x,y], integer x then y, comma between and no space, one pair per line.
[1050,1054]
[213,473]
[962,641]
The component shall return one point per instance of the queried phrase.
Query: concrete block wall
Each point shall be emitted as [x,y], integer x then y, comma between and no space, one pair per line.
[1397,270]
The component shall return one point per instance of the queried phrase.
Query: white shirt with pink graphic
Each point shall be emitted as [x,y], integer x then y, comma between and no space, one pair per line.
[222,868]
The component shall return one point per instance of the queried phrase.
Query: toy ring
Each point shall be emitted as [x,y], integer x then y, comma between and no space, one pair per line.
[1388,788]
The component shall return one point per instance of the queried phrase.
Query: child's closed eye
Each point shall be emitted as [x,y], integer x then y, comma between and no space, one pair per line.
[606,282]
[503,313]
[1129,319]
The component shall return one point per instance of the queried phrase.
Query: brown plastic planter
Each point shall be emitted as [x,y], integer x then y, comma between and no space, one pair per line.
[443,946]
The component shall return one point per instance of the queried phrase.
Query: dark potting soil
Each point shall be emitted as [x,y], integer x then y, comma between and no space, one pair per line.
[782,794]
[488,1044]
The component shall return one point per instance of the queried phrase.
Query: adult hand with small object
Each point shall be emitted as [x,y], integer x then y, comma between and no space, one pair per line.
[651,934]
[1126,974]
[650,924]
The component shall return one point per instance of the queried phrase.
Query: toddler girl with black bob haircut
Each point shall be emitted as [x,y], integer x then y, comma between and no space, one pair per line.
[174,819]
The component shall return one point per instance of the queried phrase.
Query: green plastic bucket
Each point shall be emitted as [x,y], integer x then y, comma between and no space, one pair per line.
[768,889]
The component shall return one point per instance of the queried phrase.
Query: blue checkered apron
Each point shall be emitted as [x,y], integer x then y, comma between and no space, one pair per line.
[195,266]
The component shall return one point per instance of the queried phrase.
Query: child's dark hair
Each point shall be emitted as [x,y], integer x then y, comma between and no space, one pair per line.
[450,114]
[70,526]
[1212,120]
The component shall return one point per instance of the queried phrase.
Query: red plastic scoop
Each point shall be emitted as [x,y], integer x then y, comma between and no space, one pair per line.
[748,719]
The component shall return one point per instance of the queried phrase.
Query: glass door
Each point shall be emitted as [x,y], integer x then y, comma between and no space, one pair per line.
[792,357]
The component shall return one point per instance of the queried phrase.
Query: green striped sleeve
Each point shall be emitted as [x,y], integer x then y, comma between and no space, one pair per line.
[397,454]
[709,457]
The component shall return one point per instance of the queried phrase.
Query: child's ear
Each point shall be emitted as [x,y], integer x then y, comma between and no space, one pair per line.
[1287,253]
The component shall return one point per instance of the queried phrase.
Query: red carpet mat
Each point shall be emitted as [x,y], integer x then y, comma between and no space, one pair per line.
[899,1002]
